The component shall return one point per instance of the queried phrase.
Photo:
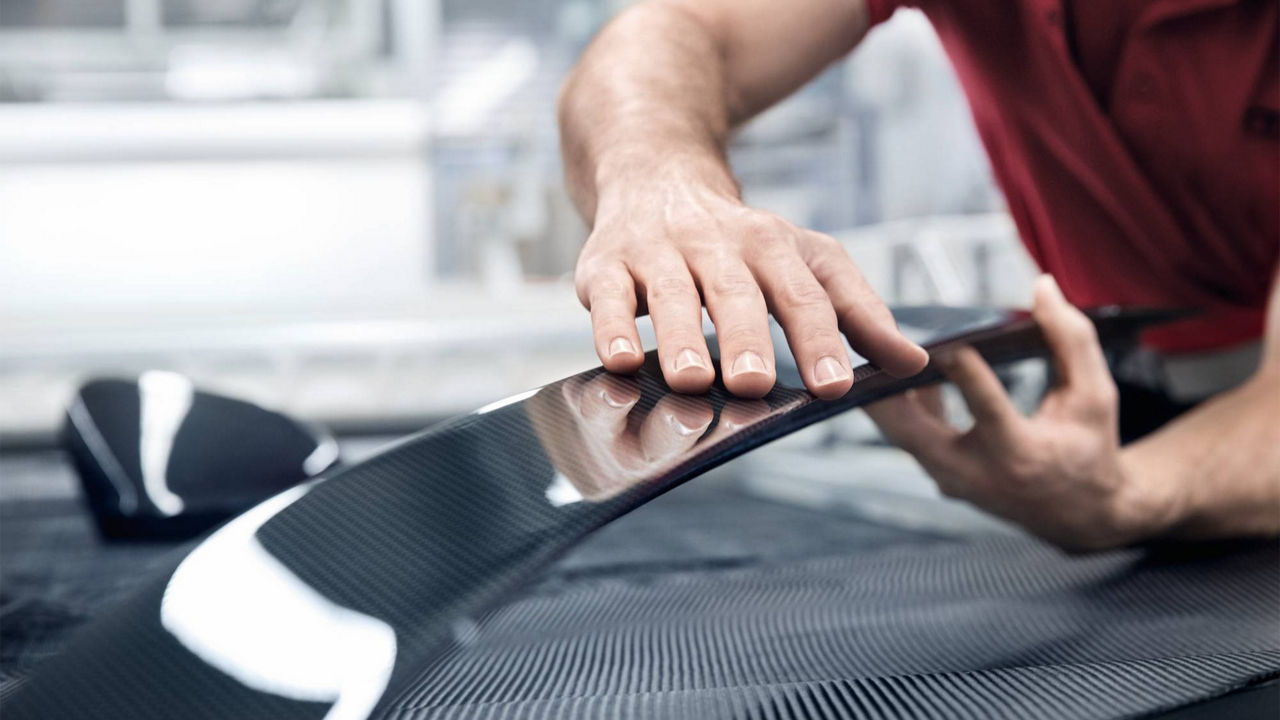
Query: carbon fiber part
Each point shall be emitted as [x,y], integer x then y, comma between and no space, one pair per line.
[351,597]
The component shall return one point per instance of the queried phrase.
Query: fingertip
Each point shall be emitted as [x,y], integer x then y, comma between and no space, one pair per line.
[748,375]
[1046,294]
[690,379]
[1052,311]
[832,391]
[688,383]
[689,372]
[891,351]
[1047,285]
[908,362]
[750,387]
[622,355]
[623,364]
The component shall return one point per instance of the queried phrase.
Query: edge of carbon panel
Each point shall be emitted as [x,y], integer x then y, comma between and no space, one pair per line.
[329,599]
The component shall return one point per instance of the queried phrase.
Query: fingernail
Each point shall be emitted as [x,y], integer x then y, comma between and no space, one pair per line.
[829,370]
[621,346]
[749,362]
[687,359]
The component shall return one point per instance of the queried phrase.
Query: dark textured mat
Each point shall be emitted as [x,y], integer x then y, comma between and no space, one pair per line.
[803,614]
[706,603]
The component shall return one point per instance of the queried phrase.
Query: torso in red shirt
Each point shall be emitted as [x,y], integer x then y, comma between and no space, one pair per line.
[1137,143]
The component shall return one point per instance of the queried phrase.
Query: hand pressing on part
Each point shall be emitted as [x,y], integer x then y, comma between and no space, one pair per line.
[1060,473]
[668,252]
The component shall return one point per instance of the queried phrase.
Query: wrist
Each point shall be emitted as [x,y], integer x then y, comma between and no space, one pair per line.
[1153,500]
[639,175]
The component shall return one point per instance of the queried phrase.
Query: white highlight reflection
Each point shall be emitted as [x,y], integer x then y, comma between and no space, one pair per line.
[562,491]
[507,401]
[322,457]
[238,608]
[165,398]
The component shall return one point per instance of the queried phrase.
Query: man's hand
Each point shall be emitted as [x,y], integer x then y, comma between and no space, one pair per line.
[644,122]
[1061,473]
[669,251]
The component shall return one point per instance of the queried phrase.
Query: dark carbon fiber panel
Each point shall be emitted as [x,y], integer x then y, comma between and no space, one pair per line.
[351,597]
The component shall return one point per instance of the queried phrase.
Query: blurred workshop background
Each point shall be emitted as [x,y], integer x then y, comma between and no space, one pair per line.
[352,210]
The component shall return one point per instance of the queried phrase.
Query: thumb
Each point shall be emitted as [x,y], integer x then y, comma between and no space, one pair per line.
[910,424]
[1071,337]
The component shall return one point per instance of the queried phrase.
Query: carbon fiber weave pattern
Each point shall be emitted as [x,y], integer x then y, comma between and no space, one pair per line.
[429,537]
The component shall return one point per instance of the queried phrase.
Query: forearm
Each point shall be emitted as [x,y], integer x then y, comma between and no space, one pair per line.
[1215,472]
[648,96]
[655,95]
[643,122]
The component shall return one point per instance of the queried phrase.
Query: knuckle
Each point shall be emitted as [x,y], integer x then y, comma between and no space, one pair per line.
[827,265]
[776,258]
[606,329]
[670,287]
[716,257]
[607,288]
[762,227]
[1097,405]
[1021,468]
[823,249]
[1106,395]
[818,338]
[804,294]
[733,287]
[740,332]
[821,245]
[582,286]
[586,270]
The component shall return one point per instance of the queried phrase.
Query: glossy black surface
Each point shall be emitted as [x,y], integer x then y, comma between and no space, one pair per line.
[334,598]
[159,459]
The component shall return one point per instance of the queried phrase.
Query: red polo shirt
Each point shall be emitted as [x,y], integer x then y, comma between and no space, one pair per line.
[1137,143]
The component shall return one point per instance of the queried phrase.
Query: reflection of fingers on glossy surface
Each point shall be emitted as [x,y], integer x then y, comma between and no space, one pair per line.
[608,395]
[606,401]
[571,389]
[674,425]
[737,415]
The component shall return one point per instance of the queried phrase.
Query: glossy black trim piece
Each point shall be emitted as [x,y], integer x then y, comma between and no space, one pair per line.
[160,459]
[334,599]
